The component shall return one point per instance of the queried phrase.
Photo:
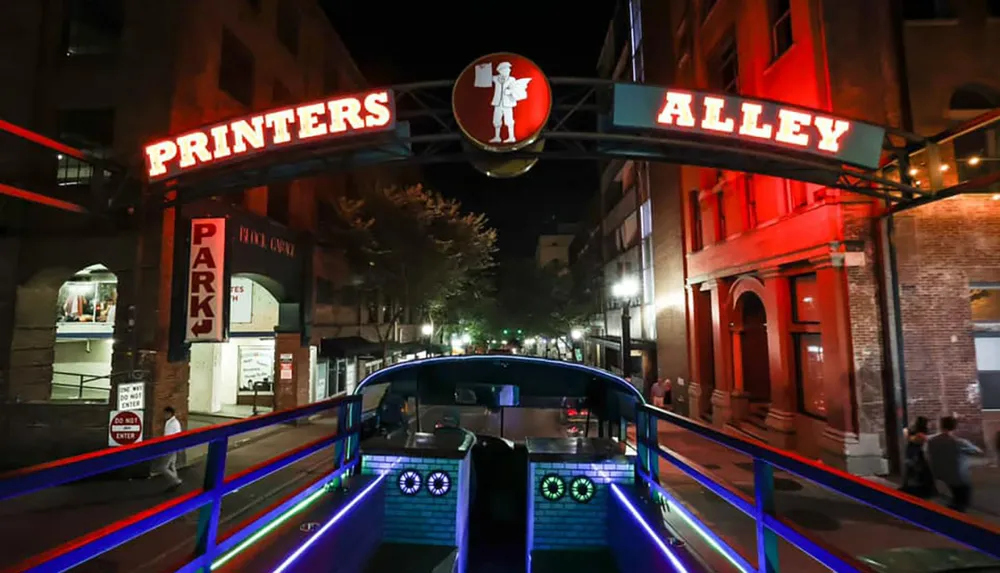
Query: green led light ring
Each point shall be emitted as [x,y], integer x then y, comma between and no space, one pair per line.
[582,489]
[553,488]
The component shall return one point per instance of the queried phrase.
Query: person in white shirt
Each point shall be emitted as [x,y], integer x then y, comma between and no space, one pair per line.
[169,467]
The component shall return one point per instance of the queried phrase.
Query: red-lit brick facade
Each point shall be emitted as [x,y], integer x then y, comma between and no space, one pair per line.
[789,302]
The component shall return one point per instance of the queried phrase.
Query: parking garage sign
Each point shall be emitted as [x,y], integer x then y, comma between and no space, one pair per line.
[206,295]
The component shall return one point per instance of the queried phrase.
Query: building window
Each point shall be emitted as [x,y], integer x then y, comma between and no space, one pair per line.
[720,211]
[809,374]
[993,8]
[697,228]
[277,201]
[781,27]
[236,69]
[928,10]
[92,27]
[796,193]
[728,65]
[635,14]
[288,26]
[804,293]
[280,94]
[750,201]
[706,8]
[646,218]
[92,130]
[985,303]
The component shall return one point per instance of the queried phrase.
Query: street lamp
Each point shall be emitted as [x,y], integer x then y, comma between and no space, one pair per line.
[427,329]
[625,290]
[576,334]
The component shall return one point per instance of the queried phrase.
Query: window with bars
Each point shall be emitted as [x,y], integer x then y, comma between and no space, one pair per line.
[781,27]
[288,26]
[236,69]
[728,71]
[92,130]
[92,27]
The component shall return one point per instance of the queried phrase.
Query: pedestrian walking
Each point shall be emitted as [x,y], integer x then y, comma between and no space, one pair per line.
[168,465]
[918,480]
[949,460]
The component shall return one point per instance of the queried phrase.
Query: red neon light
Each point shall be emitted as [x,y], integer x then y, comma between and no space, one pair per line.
[40,199]
[42,140]
[345,115]
[792,127]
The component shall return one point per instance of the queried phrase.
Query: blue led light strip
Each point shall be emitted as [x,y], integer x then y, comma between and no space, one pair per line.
[713,540]
[653,536]
[290,560]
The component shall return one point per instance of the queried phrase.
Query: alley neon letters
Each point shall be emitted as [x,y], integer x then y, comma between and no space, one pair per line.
[283,127]
[205,281]
[746,119]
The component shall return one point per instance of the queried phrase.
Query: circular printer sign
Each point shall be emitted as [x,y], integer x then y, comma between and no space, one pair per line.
[502,102]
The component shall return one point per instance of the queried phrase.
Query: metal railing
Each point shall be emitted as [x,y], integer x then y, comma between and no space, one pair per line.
[80,386]
[209,546]
[760,508]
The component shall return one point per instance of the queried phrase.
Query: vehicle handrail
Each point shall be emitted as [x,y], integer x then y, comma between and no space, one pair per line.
[34,478]
[980,536]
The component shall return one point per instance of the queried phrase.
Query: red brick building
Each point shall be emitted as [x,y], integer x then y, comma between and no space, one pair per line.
[790,307]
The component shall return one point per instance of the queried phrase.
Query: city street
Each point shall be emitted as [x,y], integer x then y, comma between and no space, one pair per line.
[840,522]
[41,521]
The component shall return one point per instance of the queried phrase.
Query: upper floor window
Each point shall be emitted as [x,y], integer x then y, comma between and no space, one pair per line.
[236,69]
[90,129]
[728,65]
[696,223]
[92,27]
[781,27]
[985,303]
[280,94]
[928,10]
[706,8]
[288,26]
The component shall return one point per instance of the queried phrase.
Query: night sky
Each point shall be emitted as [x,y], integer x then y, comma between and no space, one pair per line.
[411,43]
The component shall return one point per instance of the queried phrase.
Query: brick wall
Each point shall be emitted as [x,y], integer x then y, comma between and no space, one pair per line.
[422,518]
[565,523]
[941,249]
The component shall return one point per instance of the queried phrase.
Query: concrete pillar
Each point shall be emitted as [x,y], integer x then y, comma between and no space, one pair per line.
[723,351]
[841,444]
[781,413]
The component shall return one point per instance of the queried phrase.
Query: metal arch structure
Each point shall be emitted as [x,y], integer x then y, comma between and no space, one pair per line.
[579,128]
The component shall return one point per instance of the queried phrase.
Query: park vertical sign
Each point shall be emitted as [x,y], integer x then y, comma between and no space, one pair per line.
[206,296]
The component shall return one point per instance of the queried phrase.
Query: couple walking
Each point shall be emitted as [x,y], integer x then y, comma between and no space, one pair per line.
[941,457]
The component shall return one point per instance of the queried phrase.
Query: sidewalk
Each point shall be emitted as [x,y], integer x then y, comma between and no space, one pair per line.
[37,522]
[840,522]
[985,489]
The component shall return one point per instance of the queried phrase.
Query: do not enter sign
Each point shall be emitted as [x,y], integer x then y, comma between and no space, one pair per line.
[124,428]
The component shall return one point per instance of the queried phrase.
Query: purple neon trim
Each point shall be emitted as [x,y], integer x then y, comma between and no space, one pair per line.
[290,560]
[667,552]
[374,376]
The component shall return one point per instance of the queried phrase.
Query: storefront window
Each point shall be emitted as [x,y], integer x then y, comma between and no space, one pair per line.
[806,300]
[256,368]
[809,375]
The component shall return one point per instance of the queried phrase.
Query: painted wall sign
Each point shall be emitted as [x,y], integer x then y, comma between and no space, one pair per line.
[369,112]
[734,117]
[206,295]
[261,239]
[502,102]
[240,301]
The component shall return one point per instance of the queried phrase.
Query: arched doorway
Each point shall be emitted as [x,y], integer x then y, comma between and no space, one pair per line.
[226,378]
[751,330]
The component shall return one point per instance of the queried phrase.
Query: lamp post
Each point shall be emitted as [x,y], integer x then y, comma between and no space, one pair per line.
[625,290]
